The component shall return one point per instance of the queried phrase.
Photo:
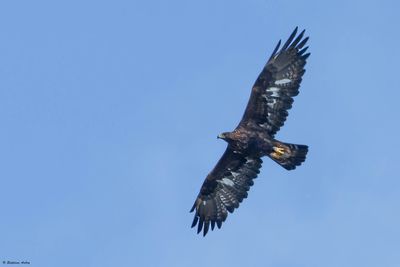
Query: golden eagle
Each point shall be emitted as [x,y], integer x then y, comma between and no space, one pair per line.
[271,98]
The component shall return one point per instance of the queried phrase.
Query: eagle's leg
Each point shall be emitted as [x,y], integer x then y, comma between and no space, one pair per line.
[278,152]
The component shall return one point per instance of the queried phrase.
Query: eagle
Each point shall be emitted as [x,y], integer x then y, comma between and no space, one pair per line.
[271,97]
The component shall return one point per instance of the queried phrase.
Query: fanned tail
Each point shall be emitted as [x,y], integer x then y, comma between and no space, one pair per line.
[289,156]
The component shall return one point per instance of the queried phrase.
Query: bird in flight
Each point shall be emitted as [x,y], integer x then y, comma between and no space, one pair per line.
[271,98]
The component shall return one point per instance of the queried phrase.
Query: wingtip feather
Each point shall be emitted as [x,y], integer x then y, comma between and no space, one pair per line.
[298,39]
[195,219]
[302,51]
[206,226]
[290,39]
[192,209]
[275,49]
[200,226]
[302,43]
[305,56]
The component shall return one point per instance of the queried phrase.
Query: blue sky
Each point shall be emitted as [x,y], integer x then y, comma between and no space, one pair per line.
[110,112]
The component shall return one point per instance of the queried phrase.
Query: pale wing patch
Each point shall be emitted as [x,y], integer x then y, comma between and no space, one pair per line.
[227,181]
[235,174]
[249,160]
[274,91]
[283,81]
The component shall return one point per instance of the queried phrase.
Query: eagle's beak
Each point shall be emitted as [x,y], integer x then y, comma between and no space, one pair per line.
[221,136]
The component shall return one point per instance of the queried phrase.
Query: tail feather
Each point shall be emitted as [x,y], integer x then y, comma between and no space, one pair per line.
[289,156]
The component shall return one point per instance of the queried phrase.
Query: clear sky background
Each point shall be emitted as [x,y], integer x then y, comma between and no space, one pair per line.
[109,113]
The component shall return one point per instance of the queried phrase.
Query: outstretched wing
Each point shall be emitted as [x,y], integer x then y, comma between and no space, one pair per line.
[279,81]
[224,188]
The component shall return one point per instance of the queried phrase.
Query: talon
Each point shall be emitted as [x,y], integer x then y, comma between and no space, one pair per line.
[279,150]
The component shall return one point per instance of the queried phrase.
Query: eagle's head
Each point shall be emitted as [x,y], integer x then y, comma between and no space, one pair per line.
[227,136]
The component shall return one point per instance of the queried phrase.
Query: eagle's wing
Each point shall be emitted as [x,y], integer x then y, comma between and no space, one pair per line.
[272,94]
[224,188]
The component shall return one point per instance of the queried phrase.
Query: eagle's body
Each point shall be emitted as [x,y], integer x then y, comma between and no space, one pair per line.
[251,142]
[272,95]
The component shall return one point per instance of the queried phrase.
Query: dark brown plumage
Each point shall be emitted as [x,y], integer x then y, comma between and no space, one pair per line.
[271,98]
